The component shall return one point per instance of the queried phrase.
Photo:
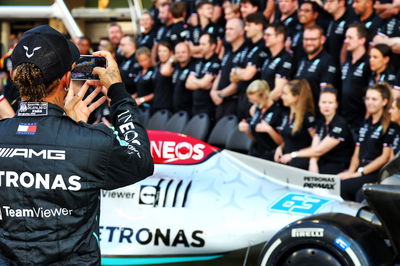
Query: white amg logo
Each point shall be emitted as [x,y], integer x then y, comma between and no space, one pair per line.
[33,51]
[30,153]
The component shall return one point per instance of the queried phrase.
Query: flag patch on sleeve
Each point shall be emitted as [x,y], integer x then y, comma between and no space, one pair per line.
[27,128]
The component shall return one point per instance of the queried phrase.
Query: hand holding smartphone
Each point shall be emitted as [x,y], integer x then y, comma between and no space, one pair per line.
[85,65]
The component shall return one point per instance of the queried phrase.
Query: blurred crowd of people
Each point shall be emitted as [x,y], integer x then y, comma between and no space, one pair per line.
[315,85]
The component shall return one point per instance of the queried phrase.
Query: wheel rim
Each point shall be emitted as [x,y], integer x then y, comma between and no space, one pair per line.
[310,257]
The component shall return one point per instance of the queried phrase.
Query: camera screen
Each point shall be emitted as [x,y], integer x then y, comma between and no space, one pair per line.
[84,67]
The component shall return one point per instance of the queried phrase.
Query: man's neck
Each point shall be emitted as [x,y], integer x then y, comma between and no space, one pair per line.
[312,56]
[339,13]
[257,38]
[176,20]
[276,49]
[285,16]
[184,64]
[209,55]
[236,44]
[366,15]
[204,22]
[357,54]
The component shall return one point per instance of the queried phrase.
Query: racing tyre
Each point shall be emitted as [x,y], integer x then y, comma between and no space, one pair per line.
[332,239]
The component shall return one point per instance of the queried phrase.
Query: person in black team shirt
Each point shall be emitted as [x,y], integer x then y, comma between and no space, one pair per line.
[298,123]
[179,30]
[265,118]
[318,68]
[223,91]
[205,11]
[182,97]
[278,66]
[307,15]
[143,80]
[146,38]
[164,31]
[332,144]
[337,28]
[201,79]
[364,9]
[250,61]
[375,138]
[162,78]
[286,14]
[379,61]
[395,118]
[355,76]
[128,67]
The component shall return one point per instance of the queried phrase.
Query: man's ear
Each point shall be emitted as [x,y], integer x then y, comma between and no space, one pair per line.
[66,80]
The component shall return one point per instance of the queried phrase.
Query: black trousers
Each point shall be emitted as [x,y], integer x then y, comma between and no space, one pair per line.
[351,186]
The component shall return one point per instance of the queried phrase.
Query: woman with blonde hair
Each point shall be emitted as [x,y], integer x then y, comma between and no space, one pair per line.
[298,123]
[265,118]
[372,149]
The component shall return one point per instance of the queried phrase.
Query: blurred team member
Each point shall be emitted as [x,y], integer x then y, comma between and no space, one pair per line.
[277,69]
[167,20]
[379,61]
[105,45]
[249,64]
[115,35]
[232,11]
[162,78]
[143,80]
[395,118]
[332,144]
[355,75]
[148,32]
[84,45]
[128,66]
[307,16]
[298,123]
[248,7]
[364,9]
[205,12]
[7,87]
[182,97]
[375,138]
[318,68]
[341,18]
[286,14]
[265,118]
[6,110]
[224,91]
[179,30]
[202,78]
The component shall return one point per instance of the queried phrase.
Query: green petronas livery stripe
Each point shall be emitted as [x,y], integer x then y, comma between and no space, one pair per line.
[150,261]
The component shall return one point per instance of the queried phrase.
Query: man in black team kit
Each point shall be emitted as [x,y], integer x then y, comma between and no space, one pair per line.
[56,164]
[337,26]
[182,97]
[355,76]
[202,78]
[250,61]
[318,68]
[277,69]
[129,66]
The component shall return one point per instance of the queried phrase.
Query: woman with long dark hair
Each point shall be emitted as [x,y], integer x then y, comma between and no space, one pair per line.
[298,122]
[332,145]
[372,149]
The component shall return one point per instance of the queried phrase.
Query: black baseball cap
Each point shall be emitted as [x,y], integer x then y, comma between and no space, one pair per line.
[48,49]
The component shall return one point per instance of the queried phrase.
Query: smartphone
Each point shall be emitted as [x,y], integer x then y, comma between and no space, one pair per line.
[85,65]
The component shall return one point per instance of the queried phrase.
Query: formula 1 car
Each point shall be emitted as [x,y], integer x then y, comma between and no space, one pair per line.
[202,203]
